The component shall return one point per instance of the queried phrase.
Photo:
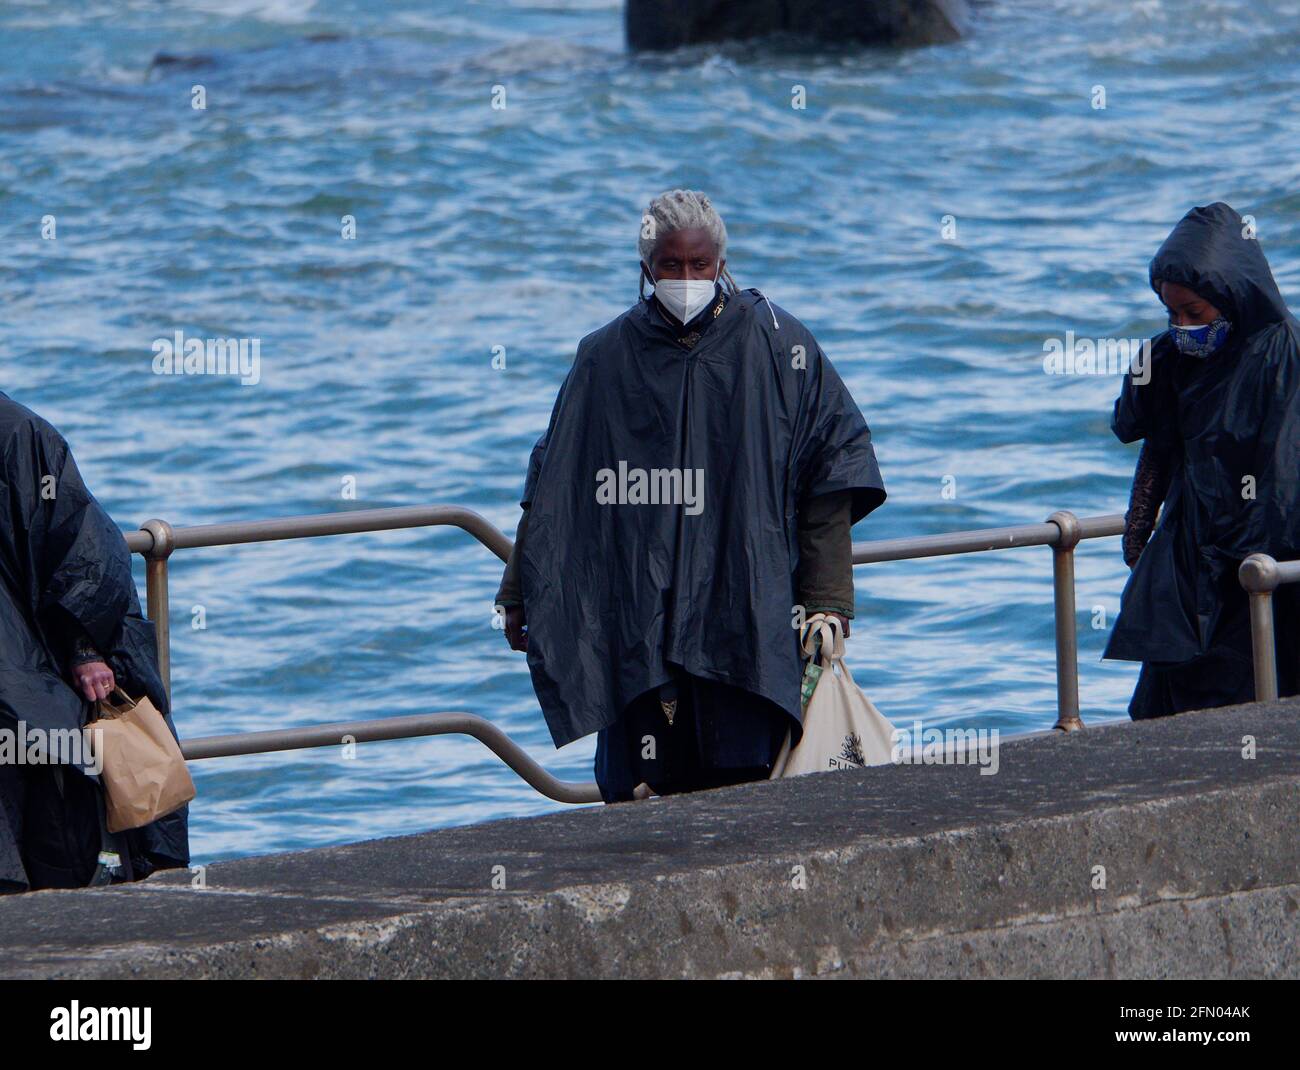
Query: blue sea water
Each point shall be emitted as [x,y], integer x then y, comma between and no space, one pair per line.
[481,227]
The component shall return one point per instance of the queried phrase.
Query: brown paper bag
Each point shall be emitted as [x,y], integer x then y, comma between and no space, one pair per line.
[144,775]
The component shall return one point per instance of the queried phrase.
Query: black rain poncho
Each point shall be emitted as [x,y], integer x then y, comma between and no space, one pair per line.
[614,593]
[62,559]
[1230,424]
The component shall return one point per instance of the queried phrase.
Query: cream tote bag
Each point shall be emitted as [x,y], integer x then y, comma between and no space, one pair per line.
[842,729]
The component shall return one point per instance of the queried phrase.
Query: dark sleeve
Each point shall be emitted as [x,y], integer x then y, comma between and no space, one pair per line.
[71,643]
[1150,485]
[510,593]
[825,575]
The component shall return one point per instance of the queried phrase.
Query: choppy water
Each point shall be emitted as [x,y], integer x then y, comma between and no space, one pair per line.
[479,228]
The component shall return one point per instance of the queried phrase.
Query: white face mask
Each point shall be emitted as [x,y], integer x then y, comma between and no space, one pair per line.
[686,298]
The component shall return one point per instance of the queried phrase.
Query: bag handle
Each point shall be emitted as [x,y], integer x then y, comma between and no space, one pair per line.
[128,703]
[806,634]
[838,649]
[830,636]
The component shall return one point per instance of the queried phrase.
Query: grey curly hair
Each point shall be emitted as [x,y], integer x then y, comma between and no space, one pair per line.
[681,209]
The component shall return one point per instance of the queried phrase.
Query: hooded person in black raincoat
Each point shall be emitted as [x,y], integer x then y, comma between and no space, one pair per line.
[692,497]
[70,630]
[1220,420]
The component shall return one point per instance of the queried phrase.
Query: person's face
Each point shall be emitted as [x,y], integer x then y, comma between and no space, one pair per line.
[1186,308]
[685,254]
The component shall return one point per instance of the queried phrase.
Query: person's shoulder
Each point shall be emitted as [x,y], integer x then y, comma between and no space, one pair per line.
[611,334]
[768,317]
[21,424]
[1155,361]
[1270,355]
[1278,342]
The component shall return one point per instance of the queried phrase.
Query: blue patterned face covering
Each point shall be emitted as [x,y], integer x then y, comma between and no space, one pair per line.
[1200,341]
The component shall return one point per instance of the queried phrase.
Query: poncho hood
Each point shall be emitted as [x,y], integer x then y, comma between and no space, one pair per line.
[1212,252]
[1228,426]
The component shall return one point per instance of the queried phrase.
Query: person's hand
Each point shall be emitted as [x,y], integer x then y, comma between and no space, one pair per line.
[843,621]
[516,622]
[94,680]
[1133,543]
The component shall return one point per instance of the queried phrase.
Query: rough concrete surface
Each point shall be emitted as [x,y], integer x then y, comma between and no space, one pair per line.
[897,871]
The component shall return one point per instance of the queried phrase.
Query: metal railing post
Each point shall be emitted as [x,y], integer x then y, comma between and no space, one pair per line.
[1260,576]
[155,572]
[1067,640]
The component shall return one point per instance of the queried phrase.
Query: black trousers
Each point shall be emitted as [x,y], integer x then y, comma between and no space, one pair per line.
[1225,675]
[51,828]
[719,735]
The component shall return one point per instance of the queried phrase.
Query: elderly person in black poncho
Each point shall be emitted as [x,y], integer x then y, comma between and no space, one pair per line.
[692,496]
[70,631]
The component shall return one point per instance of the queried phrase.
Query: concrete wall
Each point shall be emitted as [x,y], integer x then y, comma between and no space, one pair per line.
[900,871]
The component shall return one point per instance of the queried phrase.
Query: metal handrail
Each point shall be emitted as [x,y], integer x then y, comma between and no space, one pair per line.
[1261,575]
[157,540]
[1062,531]
[148,541]
[981,539]
[424,724]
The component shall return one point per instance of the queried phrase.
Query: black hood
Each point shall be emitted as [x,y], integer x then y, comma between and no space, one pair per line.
[1228,427]
[1207,253]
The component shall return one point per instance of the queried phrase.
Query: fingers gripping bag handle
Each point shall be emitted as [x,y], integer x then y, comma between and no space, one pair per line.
[838,650]
[810,634]
[830,639]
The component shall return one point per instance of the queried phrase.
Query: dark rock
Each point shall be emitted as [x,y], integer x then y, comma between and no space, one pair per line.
[658,25]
